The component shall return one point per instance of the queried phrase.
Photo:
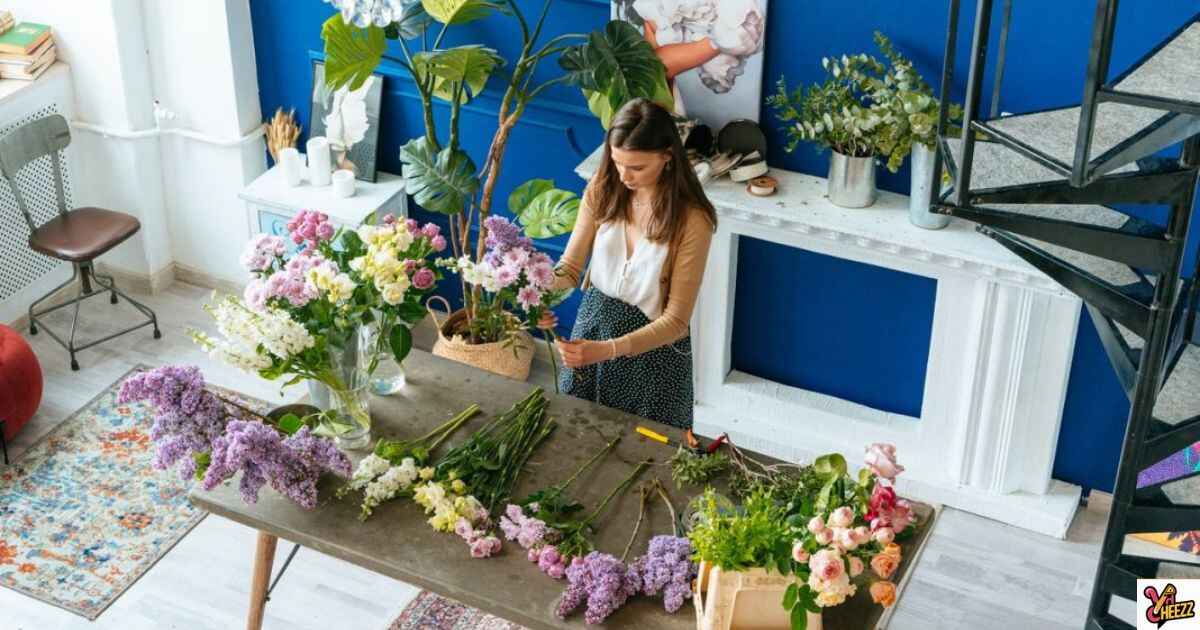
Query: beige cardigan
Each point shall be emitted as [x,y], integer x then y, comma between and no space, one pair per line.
[682,273]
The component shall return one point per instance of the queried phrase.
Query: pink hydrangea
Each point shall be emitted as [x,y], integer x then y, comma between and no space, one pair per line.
[529,297]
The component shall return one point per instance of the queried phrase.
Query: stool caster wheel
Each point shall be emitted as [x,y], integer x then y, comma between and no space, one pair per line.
[74,365]
[157,334]
[112,298]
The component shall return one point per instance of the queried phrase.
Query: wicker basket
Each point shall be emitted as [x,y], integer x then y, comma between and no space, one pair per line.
[493,357]
[742,600]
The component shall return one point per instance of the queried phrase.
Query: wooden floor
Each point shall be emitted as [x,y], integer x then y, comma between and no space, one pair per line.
[974,573]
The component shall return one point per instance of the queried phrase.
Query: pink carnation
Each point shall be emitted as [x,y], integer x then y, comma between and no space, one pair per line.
[424,278]
[529,297]
[438,243]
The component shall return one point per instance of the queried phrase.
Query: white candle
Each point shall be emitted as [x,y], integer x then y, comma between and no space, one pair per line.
[319,164]
[343,183]
[291,165]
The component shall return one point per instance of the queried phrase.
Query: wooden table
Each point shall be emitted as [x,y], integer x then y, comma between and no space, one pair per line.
[397,542]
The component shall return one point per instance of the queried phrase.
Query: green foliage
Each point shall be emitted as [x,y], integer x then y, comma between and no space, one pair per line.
[400,341]
[543,210]
[440,181]
[688,468]
[617,63]
[833,113]
[463,70]
[351,53]
[289,424]
[459,11]
[736,538]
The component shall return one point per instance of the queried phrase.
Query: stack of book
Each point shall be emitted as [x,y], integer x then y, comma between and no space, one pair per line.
[26,50]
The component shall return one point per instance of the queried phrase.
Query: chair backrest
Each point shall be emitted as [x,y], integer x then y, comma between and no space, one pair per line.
[31,141]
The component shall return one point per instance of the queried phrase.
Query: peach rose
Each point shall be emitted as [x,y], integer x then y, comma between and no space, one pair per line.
[798,552]
[856,566]
[884,536]
[826,564]
[883,593]
[846,539]
[862,535]
[815,525]
[824,537]
[842,517]
[892,549]
[885,564]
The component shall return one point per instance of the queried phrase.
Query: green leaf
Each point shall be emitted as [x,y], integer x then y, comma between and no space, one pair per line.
[551,214]
[290,423]
[789,596]
[524,194]
[351,53]
[441,181]
[400,341]
[202,461]
[831,464]
[469,66]
[799,618]
[412,23]
[616,62]
[459,11]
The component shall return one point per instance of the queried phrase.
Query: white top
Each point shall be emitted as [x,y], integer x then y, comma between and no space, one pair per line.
[633,279]
[271,189]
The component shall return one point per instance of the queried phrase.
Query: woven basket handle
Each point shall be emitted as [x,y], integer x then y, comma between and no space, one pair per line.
[433,313]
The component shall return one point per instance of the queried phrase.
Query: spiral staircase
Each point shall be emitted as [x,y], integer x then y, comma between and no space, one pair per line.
[1047,185]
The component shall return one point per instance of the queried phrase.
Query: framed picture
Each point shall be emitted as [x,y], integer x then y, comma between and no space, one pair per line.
[713,52]
[348,117]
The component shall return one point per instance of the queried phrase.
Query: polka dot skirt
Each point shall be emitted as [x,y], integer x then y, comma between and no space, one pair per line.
[656,384]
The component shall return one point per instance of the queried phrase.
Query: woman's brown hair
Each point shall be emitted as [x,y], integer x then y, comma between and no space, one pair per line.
[642,125]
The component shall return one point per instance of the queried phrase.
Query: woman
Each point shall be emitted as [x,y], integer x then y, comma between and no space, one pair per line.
[647,226]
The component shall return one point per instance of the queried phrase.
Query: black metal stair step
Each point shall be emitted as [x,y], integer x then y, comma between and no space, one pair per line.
[1167,77]
[1108,622]
[1126,301]
[1120,577]
[1165,438]
[1123,132]
[1161,516]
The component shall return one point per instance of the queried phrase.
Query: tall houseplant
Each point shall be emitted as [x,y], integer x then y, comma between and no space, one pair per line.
[614,62]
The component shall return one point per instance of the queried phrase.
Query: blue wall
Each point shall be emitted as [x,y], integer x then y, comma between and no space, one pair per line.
[1047,58]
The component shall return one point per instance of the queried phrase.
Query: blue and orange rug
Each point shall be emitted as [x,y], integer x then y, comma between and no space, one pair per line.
[84,514]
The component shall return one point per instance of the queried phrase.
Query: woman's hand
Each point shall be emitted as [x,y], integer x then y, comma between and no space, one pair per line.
[548,321]
[582,352]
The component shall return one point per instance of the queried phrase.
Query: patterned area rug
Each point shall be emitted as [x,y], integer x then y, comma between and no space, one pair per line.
[434,612]
[83,513]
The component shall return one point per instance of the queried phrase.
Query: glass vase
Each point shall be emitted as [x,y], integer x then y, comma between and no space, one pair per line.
[388,377]
[349,389]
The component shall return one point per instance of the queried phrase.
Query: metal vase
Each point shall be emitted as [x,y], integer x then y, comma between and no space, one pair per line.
[922,191]
[851,181]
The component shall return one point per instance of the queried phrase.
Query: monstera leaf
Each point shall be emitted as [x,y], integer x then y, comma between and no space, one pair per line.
[412,22]
[543,210]
[615,62]
[469,65]
[459,11]
[439,181]
[351,53]
[600,106]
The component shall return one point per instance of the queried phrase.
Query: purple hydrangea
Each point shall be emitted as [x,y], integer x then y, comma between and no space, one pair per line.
[666,568]
[599,580]
[503,236]
[188,418]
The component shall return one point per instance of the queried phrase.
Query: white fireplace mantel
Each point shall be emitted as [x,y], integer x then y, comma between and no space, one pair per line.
[999,359]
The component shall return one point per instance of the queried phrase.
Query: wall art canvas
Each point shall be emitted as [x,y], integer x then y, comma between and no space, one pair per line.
[713,51]
[348,118]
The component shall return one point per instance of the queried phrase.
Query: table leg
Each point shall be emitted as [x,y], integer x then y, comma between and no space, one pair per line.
[264,560]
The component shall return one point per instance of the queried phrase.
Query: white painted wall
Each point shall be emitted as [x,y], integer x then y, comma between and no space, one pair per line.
[196,59]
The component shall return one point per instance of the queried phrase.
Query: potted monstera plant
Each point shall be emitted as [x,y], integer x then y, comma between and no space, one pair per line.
[614,64]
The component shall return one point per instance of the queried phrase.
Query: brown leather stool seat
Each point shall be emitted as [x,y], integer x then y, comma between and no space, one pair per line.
[83,233]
